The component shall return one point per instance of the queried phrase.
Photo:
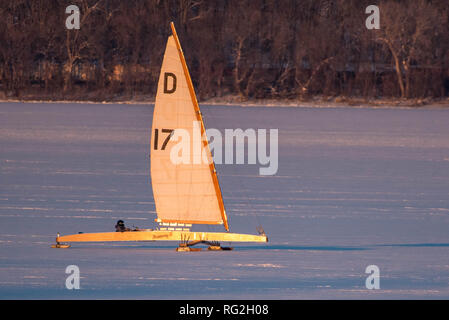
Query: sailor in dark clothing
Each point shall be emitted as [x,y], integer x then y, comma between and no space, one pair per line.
[120,226]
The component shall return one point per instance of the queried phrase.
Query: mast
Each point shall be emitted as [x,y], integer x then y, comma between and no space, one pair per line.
[203,131]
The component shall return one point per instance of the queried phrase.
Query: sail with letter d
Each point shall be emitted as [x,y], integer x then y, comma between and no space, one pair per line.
[183,192]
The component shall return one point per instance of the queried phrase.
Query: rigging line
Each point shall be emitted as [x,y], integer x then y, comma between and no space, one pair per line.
[245,203]
[205,118]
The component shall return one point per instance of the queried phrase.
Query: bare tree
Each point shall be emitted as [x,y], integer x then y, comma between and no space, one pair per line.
[407,31]
[76,41]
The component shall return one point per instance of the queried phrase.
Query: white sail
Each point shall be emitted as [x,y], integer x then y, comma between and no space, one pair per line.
[183,193]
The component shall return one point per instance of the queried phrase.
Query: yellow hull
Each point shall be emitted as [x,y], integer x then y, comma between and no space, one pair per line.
[161,235]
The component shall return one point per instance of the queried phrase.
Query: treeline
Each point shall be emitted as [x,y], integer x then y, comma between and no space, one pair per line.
[253,49]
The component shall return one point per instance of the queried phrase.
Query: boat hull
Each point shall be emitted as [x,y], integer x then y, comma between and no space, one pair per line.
[161,235]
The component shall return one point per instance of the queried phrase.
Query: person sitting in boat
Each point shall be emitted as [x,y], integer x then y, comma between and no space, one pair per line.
[120,226]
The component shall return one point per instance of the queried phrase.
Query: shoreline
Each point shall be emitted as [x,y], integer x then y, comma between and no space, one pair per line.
[316,102]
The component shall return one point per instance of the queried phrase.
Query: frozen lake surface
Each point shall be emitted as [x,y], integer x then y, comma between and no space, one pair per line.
[355,187]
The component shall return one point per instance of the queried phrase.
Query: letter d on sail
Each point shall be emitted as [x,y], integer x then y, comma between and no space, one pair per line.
[173,88]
